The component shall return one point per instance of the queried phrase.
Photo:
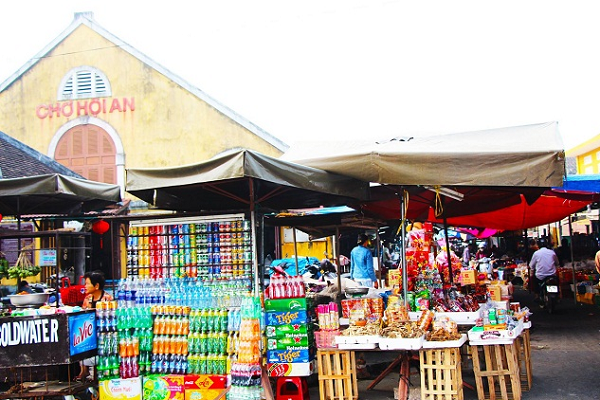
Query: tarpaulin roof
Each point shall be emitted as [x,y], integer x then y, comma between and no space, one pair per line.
[586,183]
[54,194]
[530,155]
[548,208]
[229,180]
[486,207]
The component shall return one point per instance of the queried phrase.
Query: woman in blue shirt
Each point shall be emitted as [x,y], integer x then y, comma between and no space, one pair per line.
[361,263]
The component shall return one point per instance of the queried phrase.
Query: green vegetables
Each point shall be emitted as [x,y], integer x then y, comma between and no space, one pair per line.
[25,272]
[23,268]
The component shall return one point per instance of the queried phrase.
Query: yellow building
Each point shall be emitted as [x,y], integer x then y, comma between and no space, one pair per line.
[98,105]
[587,156]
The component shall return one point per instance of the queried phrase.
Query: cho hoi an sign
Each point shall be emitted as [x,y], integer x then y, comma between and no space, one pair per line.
[47,340]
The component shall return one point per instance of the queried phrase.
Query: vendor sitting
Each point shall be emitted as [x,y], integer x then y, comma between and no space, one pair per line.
[24,287]
[94,289]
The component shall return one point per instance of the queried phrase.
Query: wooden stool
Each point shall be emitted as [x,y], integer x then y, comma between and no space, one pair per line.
[501,368]
[524,354]
[441,374]
[337,374]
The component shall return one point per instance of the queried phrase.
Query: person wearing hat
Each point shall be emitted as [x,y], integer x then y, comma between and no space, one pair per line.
[361,263]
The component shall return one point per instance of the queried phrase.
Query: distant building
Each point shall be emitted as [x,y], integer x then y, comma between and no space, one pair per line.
[586,156]
[97,105]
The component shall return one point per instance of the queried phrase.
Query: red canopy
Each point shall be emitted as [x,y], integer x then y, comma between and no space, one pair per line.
[495,208]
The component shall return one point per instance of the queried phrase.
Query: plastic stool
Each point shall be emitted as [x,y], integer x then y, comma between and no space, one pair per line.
[292,388]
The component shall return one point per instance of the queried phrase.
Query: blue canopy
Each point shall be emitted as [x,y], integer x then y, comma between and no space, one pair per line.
[585,183]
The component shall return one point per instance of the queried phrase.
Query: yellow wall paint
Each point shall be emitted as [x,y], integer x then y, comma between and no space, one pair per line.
[169,127]
[591,167]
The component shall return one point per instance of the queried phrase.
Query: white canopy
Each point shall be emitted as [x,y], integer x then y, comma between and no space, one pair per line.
[530,155]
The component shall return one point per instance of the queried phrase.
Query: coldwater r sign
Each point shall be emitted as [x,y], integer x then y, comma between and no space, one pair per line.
[47,339]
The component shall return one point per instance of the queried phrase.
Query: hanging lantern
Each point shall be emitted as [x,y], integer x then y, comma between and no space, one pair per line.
[100,227]
[0,217]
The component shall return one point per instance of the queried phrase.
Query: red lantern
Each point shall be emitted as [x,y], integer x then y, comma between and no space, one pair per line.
[0,217]
[100,227]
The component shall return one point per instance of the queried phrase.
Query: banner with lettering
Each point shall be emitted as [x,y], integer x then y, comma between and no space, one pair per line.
[82,333]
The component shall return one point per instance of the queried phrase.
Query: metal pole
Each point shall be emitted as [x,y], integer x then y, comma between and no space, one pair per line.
[295,248]
[572,260]
[253,232]
[447,253]
[403,229]
[336,255]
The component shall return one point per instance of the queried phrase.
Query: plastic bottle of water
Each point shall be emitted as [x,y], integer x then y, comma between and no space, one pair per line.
[121,294]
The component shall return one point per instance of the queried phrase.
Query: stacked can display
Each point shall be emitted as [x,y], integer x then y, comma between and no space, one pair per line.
[208,342]
[204,249]
[246,371]
[170,345]
[288,328]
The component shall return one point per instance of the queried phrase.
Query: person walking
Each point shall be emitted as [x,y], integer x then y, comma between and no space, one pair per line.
[361,263]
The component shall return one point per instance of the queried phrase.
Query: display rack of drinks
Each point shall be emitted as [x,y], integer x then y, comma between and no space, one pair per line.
[246,371]
[204,249]
[170,326]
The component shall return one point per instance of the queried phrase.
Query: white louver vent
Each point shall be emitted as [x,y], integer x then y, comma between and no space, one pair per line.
[84,83]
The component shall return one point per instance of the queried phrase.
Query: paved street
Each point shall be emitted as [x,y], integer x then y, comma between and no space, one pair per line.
[565,357]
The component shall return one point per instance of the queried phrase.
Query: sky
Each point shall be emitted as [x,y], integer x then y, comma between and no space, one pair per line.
[355,69]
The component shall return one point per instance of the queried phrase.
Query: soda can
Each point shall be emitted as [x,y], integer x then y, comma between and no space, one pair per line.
[173,229]
[246,225]
[216,258]
[215,239]
[215,227]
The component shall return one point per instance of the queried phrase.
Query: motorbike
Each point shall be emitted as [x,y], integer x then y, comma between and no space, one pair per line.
[549,293]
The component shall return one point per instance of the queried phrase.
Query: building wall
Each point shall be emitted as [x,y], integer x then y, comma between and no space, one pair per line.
[169,126]
[589,163]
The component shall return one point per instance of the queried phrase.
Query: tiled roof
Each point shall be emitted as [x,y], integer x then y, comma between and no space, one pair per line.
[18,160]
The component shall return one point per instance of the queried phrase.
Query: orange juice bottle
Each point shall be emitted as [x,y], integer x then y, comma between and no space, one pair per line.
[161,344]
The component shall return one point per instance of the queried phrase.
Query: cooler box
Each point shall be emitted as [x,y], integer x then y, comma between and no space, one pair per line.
[121,389]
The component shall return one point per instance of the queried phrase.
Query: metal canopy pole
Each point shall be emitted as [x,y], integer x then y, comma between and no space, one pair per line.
[403,229]
[572,260]
[336,255]
[253,232]
[295,248]
[448,253]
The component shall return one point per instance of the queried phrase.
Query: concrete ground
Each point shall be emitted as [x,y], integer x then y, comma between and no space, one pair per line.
[565,357]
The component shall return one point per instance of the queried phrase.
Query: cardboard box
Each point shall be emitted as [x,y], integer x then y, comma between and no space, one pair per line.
[164,387]
[467,277]
[202,394]
[299,304]
[289,356]
[495,292]
[205,382]
[291,369]
[285,331]
[394,278]
[121,389]
[299,342]
[286,318]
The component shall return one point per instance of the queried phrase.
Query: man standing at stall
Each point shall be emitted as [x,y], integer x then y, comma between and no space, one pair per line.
[361,263]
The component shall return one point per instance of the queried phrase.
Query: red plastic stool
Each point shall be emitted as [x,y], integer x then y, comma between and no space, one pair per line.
[292,388]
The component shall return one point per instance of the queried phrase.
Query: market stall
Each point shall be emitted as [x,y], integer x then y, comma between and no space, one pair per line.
[38,342]
[208,267]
